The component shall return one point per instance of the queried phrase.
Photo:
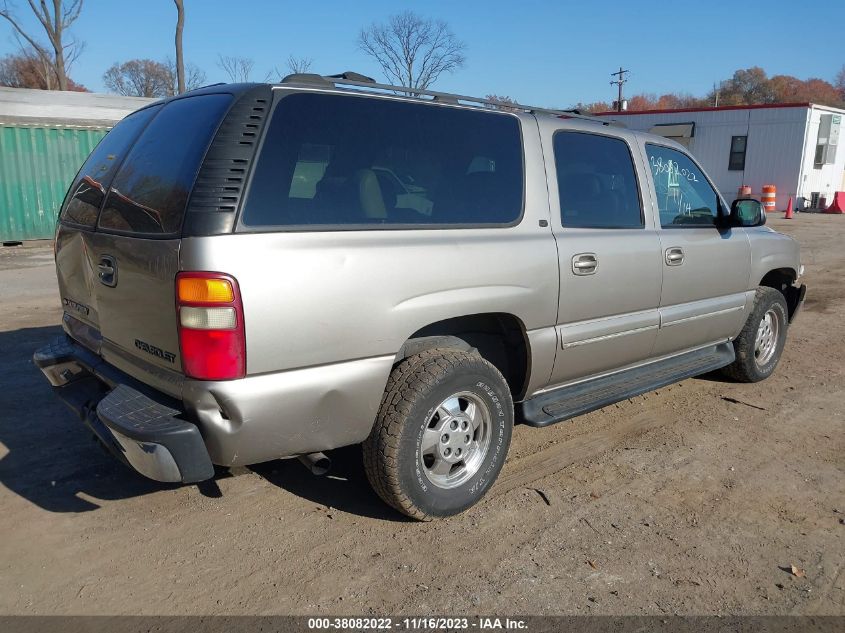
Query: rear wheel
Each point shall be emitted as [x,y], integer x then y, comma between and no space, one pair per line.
[441,435]
[760,344]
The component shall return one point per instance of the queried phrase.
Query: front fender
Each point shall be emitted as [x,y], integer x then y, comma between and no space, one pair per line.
[772,251]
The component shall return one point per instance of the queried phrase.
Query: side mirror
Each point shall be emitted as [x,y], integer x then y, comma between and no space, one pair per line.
[747,212]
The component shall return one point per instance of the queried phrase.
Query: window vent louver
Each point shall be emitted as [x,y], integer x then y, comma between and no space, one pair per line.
[221,181]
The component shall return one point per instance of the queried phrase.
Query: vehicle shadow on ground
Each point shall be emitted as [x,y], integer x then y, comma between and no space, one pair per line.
[716,376]
[47,455]
[344,488]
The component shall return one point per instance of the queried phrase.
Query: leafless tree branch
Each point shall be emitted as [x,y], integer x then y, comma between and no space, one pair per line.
[55,20]
[194,76]
[297,65]
[140,78]
[413,51]
[500,102]
[237,69]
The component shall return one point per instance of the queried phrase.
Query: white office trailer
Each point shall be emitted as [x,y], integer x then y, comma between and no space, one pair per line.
[795,147]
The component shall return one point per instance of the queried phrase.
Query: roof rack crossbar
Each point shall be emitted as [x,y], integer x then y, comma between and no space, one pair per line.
[447,97]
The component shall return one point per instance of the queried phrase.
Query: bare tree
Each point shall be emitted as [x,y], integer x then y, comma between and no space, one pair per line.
[180,60]
[238,69]
[27,69]
[149,78]
[413,51]
[501,102]
[194,76]
[12,75]
[140,78]
[747,86]
[839,82]
[55,20]
[39,60]
[297,65]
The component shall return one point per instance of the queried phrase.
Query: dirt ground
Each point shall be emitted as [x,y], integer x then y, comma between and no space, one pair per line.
[694,499]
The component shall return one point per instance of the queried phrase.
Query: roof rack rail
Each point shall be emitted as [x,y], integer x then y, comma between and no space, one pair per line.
[308,79]
[357,80]
[350,75]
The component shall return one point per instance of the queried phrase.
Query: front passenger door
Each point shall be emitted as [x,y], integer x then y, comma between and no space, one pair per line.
[705,266]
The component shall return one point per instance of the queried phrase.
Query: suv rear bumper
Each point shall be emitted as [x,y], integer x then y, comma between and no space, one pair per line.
[140,427]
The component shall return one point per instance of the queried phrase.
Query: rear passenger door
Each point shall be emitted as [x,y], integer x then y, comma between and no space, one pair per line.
[608,253]
[705,266]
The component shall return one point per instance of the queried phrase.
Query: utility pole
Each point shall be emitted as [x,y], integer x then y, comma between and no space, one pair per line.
[619,82]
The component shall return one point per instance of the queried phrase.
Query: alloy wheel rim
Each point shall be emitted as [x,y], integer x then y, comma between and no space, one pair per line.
[766,341]
[455,440]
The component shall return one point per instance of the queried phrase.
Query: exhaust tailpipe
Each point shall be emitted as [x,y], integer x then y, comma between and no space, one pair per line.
[317,463]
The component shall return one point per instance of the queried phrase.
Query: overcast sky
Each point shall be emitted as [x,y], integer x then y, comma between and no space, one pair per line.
[553,53]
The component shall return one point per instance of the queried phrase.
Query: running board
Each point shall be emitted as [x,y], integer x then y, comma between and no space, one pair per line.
[567,402]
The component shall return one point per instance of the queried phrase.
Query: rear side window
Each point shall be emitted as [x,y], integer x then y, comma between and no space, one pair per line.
[684,196]
[336,161]
[596,182]
[93,180]
[150,192]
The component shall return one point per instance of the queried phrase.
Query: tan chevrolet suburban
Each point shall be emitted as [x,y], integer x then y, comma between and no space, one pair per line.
[251,272]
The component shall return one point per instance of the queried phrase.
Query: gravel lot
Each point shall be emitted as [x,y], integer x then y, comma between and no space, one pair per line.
[694,499]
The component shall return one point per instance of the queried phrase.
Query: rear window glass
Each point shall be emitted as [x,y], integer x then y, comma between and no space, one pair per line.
[89,189]
[596,182]
[339,161]
[150,192]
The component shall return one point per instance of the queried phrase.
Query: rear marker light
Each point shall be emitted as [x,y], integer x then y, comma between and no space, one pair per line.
[211,326]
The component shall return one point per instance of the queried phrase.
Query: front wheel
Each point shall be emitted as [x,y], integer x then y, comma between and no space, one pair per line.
[441,435]
[760,344]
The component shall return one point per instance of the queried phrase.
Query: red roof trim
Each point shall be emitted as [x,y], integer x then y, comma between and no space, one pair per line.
[762,106]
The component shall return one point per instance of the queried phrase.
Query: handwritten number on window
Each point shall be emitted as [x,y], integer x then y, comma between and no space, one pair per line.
[672,168]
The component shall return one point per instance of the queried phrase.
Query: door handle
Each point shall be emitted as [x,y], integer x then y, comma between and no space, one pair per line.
[674,256]
[584,263]
[108,271]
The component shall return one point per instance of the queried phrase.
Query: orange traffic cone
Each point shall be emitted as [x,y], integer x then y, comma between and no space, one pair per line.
[788,214]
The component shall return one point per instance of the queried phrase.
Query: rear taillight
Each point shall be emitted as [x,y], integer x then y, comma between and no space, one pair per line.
[211,326]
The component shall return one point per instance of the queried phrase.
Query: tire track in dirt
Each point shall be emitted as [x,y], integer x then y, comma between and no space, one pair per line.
[556,457]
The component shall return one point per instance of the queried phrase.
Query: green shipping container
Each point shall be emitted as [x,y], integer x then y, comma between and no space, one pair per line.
[37,165]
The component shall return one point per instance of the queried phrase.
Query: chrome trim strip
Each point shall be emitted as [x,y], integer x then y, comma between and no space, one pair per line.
[606,337]
[696,317]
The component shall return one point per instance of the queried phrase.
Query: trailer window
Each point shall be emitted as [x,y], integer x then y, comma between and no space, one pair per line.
[736,160]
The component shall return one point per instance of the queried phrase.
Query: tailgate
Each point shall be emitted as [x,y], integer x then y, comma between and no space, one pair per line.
[117,248]
[136,302]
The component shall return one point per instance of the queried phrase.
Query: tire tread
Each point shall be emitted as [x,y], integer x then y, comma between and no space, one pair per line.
[743,369]
[405,385]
